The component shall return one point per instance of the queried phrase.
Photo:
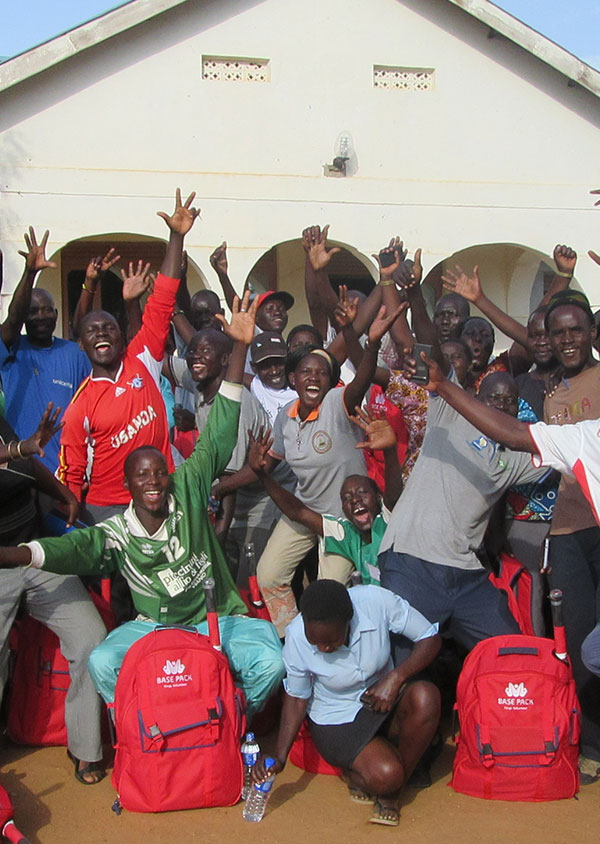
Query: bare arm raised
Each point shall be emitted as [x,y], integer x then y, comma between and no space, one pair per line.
[136,282]
[35,261]
[179,223]
[218,261]
[94,273]
[320,296]
[495,424]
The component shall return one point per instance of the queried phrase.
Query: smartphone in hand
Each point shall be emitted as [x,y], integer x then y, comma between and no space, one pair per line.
[421,376]
[387,257]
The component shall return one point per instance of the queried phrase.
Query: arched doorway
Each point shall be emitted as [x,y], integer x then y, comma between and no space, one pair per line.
[282,268]
[65,283]
[515,277]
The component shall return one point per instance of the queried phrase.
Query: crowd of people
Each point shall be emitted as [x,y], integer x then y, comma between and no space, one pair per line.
[338,451]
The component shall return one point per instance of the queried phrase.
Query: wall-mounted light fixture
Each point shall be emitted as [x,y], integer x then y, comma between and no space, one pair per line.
[344,157]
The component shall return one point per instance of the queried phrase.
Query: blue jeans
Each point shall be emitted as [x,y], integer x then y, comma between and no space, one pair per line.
[251,645]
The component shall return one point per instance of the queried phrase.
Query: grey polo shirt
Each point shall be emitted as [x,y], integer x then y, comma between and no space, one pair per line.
[321,450]
[459,475]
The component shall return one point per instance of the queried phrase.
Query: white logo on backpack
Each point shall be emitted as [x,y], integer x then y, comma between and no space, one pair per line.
[173,669]
[515,690]
[515,697]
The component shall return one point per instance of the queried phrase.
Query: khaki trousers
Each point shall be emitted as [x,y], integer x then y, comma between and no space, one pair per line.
[285,549]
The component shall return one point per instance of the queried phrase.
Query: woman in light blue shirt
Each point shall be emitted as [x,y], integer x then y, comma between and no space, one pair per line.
[362,714]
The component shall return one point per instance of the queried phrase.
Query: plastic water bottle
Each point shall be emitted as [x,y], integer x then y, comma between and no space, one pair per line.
[250,751]
[256,803]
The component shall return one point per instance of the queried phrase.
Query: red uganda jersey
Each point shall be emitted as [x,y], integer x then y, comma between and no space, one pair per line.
[107,420]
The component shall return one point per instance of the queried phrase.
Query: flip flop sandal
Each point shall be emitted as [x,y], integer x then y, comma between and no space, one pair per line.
[385,815]
[94,769]
[357,795]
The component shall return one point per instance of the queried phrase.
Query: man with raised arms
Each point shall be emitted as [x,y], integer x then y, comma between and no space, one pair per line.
[36,367]
[120,407]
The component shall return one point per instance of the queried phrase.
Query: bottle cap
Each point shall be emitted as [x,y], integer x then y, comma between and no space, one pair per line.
[269,762]
[249,736]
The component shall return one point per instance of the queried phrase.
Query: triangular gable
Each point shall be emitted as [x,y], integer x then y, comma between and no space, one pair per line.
[136,12]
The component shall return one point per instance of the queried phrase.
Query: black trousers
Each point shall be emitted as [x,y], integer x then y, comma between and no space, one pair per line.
[575,561]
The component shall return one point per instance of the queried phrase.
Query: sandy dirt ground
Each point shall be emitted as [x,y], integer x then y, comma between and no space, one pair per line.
[51,807]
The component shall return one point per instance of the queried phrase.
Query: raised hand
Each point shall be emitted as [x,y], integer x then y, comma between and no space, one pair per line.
[409,273]
[182,218]
[92,271]
[109,260]
[436,376]
[314,242]
[35,257]
[394,249]
[467,286]
[243,317]
[565,259]
[593,255]
[99,265]
[258,449]
[379,433]
[346,308]
[382,323]
[218,259]
[48,426]
[136,282]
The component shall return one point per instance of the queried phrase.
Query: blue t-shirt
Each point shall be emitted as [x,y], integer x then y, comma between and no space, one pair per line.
[32,376]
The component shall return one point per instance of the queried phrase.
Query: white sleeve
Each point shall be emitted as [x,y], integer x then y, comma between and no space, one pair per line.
[333,528]
[38,555]
[558,446]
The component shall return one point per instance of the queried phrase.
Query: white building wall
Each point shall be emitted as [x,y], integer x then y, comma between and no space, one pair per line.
[500,151]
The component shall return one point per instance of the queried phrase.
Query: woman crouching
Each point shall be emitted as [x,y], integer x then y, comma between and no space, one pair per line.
[363,715]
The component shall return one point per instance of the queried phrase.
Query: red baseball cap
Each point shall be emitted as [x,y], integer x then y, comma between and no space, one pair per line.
[286,298]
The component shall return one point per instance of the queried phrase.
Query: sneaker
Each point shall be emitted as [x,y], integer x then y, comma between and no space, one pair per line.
[589,770]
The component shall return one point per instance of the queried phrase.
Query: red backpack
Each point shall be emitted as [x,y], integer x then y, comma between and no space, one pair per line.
[515,581]
[7,824]
[519,722]
[178,720]
[304,754]
[41,680]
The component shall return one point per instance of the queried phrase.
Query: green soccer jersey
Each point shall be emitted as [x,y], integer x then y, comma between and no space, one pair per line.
[164,571]
[341,537]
